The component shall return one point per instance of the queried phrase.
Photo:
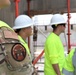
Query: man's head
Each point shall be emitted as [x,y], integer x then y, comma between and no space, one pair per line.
[23,23]
[57,21]
[4,3]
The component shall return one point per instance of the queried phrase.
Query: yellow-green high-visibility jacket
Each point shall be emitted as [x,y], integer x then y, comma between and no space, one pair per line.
[68,62]
[54,54]
[24,44]
[3,24]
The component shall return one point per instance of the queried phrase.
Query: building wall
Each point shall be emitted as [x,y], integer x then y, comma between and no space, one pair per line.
[8,14]
[48,6]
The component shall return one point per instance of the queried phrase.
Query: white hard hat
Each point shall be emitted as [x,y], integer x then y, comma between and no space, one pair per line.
[22,21]
[57,19]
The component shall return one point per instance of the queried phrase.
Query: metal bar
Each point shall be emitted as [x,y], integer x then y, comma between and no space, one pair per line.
[35,61]
[68,9]
[16,8]
[28,9]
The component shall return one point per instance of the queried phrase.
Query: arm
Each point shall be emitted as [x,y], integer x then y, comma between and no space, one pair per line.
[56,68]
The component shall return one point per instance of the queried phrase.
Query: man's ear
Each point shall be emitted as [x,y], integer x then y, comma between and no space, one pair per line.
[4,3]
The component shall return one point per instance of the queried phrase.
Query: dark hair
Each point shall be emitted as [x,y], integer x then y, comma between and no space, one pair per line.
[54,27]
[63,24]
[17,30]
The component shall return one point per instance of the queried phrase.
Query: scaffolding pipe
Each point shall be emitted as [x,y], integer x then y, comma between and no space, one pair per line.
[28,11]
[35,61]
[68,9]
[16,8]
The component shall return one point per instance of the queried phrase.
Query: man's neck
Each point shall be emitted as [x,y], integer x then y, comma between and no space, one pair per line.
[57,32]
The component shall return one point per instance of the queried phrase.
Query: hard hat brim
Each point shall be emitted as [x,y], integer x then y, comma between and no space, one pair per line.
[57,23]
[22,26]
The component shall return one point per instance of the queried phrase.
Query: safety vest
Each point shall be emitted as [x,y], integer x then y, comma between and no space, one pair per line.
[68,65]
[13,49]
[24,44]
[3,24]
[74,61]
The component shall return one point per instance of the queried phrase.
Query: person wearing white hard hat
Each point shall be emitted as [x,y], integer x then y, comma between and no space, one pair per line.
[22,27]
[54,50]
